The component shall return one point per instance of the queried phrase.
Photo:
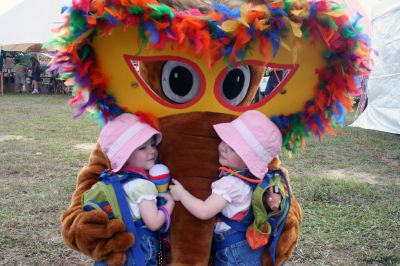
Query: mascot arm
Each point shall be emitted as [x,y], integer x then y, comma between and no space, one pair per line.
[92,233]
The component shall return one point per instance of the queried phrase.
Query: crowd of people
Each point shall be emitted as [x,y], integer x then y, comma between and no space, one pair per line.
[27,75]
[271,79]
[24,75]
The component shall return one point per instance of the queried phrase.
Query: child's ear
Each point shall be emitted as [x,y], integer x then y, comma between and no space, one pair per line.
[275,163]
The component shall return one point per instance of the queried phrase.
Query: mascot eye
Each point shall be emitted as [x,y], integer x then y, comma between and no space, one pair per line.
[180,83]
[235,85]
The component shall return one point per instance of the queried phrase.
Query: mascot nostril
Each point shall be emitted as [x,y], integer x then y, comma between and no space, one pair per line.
[200,63]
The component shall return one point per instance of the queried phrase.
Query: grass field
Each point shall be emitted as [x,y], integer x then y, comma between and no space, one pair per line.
[348,187]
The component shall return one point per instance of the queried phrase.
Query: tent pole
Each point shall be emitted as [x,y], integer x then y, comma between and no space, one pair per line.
[1,83]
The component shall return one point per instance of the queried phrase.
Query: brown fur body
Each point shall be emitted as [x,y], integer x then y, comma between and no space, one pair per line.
[189,149]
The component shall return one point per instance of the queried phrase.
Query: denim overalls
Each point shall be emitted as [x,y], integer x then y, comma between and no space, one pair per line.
[231,248]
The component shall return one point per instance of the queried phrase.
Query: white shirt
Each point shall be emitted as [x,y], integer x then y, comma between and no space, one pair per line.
[238,195]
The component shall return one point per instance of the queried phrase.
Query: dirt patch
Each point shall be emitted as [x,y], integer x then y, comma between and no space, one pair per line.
[85,146]
[341,258]
[80,259]
[336,257]
[13,137]
[362,177]
[49,209]
[394,164]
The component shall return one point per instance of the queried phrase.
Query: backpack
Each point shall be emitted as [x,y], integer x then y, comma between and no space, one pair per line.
[108,195]
[267,226]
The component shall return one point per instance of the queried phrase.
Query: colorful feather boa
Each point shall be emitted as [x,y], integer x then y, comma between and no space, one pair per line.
[222,33]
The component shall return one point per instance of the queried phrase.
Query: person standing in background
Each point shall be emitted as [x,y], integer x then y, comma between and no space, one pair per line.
[35,74]
[20,77]
[8,65]
[275,77]
[1,71]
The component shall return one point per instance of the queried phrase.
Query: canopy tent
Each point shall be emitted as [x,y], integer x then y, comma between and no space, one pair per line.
[28,23]
[383,89]
[17,47]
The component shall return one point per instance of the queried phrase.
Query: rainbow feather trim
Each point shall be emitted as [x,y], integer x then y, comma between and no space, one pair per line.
[222,33]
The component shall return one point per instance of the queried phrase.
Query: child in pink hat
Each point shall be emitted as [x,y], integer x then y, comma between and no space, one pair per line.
[248,145]
[130,144]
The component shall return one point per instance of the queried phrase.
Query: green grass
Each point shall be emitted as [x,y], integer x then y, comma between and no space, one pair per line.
[346,220]
[37,177]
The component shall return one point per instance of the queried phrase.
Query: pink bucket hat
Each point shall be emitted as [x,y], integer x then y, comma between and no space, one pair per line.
[122,136]
[254,137]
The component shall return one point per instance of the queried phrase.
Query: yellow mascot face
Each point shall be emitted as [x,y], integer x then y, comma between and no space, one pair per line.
[296,61]
[184,83]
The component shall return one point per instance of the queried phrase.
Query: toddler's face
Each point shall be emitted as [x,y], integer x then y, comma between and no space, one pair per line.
[145,156]
[229,158]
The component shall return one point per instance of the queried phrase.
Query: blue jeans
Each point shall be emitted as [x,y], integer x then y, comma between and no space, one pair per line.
[149,247]
[238,253]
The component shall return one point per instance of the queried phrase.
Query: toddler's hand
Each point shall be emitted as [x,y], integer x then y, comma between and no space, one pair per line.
[272,199]
[176,189]
[167,196]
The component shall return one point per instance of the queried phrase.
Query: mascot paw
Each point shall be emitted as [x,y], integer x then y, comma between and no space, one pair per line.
[115,259]
[101,238]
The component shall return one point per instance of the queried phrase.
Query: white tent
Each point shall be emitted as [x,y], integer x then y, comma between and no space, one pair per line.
[362,7]
[383,90]
[24,23]
[29,22]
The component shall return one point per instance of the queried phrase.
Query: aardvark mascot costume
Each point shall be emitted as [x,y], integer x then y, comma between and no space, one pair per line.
[193,64]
